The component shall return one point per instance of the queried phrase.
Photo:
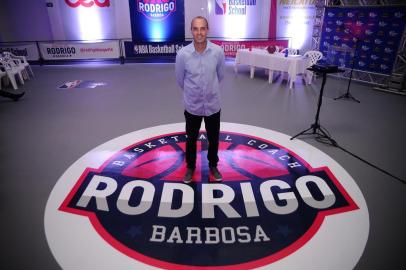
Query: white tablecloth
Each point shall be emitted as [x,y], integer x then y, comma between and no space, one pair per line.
[293,64]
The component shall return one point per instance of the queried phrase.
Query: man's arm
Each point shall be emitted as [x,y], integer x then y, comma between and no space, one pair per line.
[180,69]
[220,66]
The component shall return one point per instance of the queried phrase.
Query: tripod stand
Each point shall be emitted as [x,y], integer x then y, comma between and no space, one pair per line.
[348,95]
[316,128]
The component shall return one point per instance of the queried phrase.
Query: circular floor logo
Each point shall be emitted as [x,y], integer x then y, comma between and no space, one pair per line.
[281,204]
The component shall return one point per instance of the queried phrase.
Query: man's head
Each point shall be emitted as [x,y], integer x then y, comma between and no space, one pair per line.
[199,28]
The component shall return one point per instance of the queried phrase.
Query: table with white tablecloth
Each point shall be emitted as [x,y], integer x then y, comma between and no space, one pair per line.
[292,64]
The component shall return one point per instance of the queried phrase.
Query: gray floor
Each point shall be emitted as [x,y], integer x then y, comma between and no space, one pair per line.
[49,129]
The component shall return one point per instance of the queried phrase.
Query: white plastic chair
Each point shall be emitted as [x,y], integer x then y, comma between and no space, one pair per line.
[23,61]
[313,56]
[16,64]
[11,71]
[291,51]
[2,74]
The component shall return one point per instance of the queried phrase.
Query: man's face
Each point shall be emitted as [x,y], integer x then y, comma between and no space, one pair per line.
[199,30]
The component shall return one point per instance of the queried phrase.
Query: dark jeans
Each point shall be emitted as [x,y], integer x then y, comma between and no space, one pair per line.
[212,124]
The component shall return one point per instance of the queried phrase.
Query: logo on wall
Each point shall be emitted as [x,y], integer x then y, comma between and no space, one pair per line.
[87,3]
[232,7]
[220,7]
[61,51]
[126,200]
[156,10]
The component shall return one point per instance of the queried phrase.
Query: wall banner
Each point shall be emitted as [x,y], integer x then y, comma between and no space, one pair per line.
[152,49]
[83,20]
[230,47]
[29,50]
[372,34]
[66,50]
[157,21]
[294,20]
[234,19]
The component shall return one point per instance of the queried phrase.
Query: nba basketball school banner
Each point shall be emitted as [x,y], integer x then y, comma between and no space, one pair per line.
[148,49]
[158,20]
[282,204]
[372,33]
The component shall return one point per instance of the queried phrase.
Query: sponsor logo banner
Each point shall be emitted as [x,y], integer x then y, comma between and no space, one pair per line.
[281,202]
[369,37]
[29,50]
[230,47]
[151,49]
[65,50]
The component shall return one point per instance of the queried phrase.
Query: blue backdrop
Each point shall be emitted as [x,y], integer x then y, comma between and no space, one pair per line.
[377,29]
[157,22]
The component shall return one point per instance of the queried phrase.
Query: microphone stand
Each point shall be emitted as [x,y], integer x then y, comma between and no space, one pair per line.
[348,95]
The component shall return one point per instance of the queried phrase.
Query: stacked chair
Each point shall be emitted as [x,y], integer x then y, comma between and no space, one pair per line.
[2,74]
[12,66]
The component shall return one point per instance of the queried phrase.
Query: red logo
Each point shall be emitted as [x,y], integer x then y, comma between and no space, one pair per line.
[87,3]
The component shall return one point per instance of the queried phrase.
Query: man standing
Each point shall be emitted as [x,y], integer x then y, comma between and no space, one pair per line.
[199,70]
